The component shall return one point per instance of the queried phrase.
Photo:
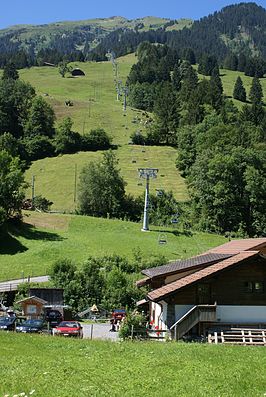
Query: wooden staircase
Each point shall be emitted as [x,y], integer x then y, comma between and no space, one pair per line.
[197,314]
[238,336]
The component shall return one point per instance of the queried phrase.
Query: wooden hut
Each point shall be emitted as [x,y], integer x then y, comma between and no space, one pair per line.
[32,307]
[77,72]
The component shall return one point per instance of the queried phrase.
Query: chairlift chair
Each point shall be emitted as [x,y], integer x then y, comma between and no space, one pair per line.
[162,239]
[174,221]
[159,192]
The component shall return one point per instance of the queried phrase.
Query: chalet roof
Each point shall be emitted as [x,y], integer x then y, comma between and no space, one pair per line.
[210,257]
[235,246]
[34,298]
[168,289]
[179,265]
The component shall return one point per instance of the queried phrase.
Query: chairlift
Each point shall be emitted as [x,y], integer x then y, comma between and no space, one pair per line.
[159,192]
[162,240]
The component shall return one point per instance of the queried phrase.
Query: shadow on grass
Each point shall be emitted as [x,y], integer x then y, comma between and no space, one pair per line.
[10,245]
[31,233]
[186,233]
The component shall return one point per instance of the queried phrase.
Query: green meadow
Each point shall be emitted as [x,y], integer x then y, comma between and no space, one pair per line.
[44,366]
[32,249]
[44,238]
[55,177]
[95,105]
[94,96]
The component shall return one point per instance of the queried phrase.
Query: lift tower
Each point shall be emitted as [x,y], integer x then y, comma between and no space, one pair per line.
[147,173]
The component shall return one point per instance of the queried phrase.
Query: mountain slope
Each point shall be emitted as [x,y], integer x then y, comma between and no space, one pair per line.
[28,45]
[236,28]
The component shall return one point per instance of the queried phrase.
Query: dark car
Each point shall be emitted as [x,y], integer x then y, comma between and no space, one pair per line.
[53,317]
[31,326]
[69,328]
[7,323]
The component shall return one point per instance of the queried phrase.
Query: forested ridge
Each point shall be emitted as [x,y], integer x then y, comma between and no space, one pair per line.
[236,29]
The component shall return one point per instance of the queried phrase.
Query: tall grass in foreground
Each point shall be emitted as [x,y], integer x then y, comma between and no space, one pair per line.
[81,368]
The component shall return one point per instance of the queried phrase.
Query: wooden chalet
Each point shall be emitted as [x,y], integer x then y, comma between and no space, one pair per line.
[32,307]
[221,289]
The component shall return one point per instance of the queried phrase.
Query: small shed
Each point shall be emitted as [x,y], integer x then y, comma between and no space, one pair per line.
[77,72]
[32,307]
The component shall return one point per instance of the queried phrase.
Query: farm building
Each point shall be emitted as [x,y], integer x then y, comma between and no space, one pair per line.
[77,72]
[32,307]
[218,290]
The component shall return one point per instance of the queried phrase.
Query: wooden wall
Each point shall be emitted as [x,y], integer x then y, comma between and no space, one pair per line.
[228,287]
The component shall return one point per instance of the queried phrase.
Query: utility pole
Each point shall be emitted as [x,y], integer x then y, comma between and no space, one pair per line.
[147,173]
[75,184]
[32,188]
[125,91]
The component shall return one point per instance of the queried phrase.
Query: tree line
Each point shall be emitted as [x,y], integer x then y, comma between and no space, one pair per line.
[236,35]
[108,281]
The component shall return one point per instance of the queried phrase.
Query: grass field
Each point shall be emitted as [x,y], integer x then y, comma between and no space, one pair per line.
[94,96]
[96,105]
[45,366]
[229,77]
[32,249]
[55,177]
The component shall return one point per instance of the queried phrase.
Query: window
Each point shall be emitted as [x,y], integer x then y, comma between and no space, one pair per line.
[254,286]
[258,286]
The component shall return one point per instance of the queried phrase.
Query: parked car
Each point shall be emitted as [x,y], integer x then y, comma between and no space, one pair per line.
[69,328]
[7,323]
[53,317]
[118,314]
[32,326]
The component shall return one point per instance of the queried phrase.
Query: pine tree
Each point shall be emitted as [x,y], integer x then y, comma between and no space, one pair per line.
[239,90]
[216,92]
[10,72]
[256,94]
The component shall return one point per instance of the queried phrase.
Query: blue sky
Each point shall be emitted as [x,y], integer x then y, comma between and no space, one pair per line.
[45,11]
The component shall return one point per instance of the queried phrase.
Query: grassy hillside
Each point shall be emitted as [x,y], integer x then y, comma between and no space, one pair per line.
[55,177]
[96,105]
[229,77]
[96,368]
[46,238]
[93,96]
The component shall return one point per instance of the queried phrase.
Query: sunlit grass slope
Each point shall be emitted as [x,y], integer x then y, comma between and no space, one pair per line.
[55,177]
[47,366]
[32,249]
[93,95]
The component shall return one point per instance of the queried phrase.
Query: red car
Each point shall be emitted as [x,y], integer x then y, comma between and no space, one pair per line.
[118,314]
[69,328]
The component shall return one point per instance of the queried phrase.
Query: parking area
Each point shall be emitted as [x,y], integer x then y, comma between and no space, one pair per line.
[99,331]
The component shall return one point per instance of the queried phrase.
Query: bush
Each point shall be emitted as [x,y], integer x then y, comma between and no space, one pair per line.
[41,203]
[133,326]
[137,138]
[95,140]
[38,147]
